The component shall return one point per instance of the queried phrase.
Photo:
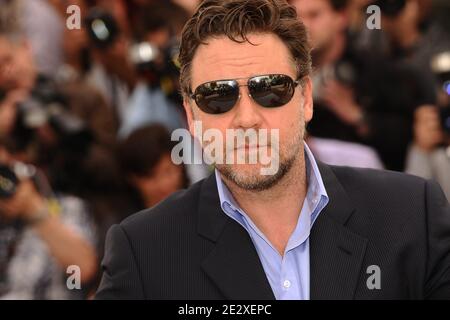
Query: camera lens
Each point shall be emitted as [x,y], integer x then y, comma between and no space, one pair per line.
[143,53]
[102,28]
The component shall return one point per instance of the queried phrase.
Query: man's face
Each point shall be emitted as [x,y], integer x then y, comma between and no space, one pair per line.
[165,178]
[17,69]
[223,58]
[321,21]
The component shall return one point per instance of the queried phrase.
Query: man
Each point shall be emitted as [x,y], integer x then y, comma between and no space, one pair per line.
[150,172]
[309,231]
[429,154]
[413,33]
[359,97]
[40,237]
[154,98]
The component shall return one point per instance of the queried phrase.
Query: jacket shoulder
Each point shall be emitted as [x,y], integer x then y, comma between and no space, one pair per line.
[381,195]
[378,180]
[178,208]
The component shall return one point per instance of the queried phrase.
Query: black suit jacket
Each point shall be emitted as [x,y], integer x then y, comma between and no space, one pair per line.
[187,248]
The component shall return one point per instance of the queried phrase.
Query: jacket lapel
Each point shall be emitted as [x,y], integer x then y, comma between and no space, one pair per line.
[233,264]
[336,252]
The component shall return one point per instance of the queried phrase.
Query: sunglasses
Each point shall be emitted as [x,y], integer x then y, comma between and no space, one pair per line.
[220,96]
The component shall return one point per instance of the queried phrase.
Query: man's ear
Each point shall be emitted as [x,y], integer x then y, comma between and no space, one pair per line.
[307,99]
[189,115]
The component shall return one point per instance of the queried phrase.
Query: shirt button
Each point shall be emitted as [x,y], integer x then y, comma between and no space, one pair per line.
[286,284]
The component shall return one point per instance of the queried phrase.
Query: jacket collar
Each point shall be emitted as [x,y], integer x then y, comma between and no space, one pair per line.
[233,265]
[336,252]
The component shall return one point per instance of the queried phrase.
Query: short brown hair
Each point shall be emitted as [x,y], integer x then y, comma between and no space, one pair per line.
[236,19]
[336,5]
[141,151]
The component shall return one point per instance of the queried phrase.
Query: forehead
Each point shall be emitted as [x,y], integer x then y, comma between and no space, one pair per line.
[222,58]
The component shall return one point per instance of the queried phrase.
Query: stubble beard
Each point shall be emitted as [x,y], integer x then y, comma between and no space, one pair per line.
[251,179]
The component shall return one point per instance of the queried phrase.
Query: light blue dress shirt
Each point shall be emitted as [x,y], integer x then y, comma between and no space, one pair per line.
[147,106]
[288,275]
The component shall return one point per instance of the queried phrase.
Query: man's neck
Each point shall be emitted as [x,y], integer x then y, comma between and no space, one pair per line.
[275,211]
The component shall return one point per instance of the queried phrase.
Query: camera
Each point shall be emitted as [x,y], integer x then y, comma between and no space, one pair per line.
[46,105]
[157,65]
[101,27]
[103,31]
[10,177]
[440,65]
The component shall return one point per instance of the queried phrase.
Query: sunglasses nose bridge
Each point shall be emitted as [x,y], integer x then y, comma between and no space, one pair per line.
[248,91]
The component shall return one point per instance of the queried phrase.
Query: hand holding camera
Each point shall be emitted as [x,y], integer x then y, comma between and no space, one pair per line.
[432,123]
[428,133]
[19,198]
[22,190]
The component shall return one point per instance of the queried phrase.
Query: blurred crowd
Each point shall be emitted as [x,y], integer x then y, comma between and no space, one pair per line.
[86,116]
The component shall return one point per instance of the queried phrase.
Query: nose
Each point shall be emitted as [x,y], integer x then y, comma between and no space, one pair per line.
[247,112]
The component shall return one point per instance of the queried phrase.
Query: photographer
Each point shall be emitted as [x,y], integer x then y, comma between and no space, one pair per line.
[412,33]
[41,233]
[429,156]
[40,236]
[155,97]
[359,97]
[111,71]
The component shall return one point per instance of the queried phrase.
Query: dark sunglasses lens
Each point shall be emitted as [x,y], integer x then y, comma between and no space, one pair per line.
[271,91]
[217,96]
